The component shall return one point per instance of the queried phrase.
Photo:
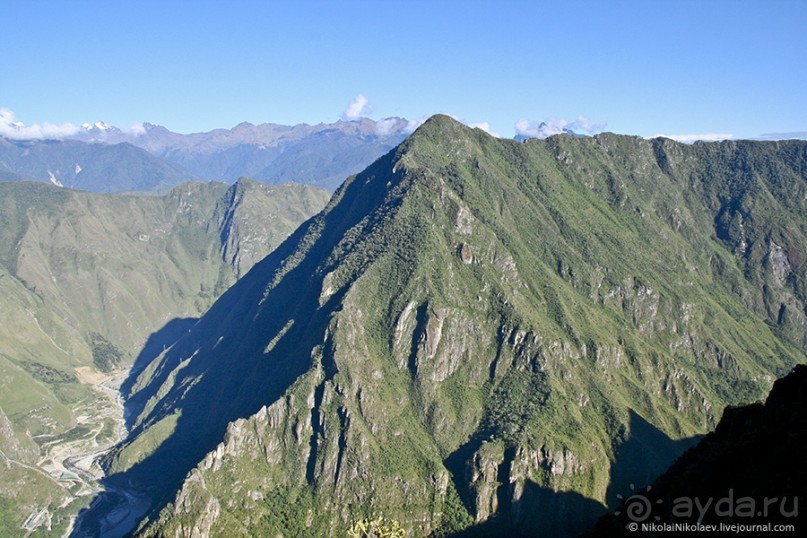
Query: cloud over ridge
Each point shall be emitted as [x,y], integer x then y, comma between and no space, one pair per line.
[357,108]
[551,126]
[10,127]
[690,138]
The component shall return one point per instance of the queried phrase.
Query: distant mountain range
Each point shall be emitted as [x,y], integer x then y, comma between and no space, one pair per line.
[95,167]
[102,158]
[323,154]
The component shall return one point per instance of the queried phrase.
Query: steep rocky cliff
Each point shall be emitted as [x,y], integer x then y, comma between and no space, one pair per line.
[481,334]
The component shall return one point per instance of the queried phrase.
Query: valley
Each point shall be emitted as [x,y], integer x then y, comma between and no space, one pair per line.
[71,458]
[93,286]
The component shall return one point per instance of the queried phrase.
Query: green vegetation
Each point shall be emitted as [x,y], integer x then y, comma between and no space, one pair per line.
[485,328]
[286,512]
[378,527]
[517,398]
[752,454]
[455,517]
[48,374]
[108,432]
[106,356]
[16,504]
[8,527]
[73,434]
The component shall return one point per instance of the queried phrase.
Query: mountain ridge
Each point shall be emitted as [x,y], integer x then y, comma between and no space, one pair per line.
[479,308]
[152,158]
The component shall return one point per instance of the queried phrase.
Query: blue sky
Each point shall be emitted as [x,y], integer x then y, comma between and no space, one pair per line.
[640,67]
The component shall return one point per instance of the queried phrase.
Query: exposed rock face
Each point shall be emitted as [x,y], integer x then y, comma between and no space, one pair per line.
[466,255]
[779,263]
[257,216]
[368,365]
[189,502]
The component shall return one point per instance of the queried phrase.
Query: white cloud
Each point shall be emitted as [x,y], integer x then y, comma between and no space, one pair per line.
[690,138]
[6,116]
[137,129]
[533,129]
[386,126]
[10,127]
[793,135]
[411,125]
[552,126]
[358,107]
[485,126]
[583,124]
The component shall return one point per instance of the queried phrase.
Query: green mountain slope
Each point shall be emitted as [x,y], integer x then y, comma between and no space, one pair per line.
[479,330]
[85,281]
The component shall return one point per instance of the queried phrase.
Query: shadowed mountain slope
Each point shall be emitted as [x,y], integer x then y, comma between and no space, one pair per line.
[754,454]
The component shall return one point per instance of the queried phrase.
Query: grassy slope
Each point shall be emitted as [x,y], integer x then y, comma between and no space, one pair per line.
[603,303]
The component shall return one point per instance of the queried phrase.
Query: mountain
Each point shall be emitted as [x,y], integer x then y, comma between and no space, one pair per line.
[754,454]
[478,335]
[87,166]
[322,155]
[91,286]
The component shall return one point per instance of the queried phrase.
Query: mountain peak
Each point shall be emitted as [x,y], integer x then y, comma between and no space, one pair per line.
[99,126]
[440,141]
[441,123]
[446,132]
